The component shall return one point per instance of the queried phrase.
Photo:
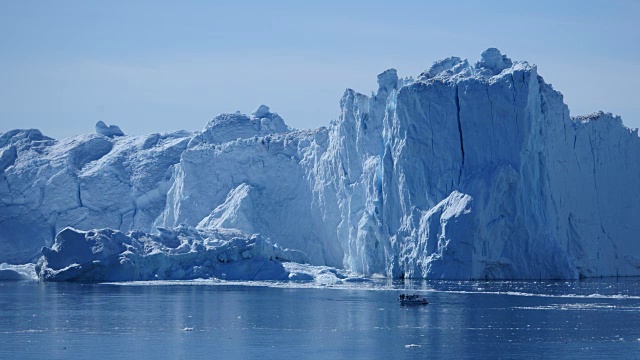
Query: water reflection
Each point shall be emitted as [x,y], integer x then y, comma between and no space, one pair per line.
[463,320]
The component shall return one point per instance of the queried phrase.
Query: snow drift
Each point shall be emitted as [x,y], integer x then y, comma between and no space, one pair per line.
[470,171]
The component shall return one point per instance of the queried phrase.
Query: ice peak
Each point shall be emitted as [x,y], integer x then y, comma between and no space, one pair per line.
[492,62]
[261,111]
[108,131]
[388,80]
[228,127]
[440,66]
[447,67]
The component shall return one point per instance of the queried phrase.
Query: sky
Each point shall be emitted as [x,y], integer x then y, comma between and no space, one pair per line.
[157,66]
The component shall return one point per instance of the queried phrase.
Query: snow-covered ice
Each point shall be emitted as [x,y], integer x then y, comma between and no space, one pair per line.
[471,171]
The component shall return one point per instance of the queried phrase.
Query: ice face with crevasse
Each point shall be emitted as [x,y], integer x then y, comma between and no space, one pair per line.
[471,171]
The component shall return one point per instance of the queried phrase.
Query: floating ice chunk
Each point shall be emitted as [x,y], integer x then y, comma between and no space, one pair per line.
[296,276]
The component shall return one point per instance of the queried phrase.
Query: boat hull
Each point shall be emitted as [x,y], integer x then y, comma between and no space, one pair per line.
[413,302]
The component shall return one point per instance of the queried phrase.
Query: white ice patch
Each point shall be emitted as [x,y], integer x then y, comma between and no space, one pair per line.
[9,272]
[583,307]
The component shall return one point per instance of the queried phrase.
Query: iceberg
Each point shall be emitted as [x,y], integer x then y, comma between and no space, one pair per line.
[179,254]
[468,171]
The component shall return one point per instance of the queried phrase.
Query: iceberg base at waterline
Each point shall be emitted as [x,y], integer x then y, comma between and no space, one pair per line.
[177,254]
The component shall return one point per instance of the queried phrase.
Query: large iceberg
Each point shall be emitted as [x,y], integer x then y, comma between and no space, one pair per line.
[471,171]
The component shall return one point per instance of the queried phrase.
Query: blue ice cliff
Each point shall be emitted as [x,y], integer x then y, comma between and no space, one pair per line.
[471,171]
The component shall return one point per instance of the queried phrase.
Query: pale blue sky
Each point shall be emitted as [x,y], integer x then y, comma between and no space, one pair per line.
[155,66]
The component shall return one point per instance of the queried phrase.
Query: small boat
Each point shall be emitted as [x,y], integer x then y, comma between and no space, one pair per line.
[414,299]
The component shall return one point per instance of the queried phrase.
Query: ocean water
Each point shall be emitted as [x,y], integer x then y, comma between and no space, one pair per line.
[592,319]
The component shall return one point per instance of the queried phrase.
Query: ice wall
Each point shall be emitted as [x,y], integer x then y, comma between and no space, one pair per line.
[471,171]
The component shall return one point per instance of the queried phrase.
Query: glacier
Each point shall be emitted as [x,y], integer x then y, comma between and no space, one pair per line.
[468,171]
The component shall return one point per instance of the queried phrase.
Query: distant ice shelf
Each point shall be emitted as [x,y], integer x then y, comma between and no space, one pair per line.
[468,171]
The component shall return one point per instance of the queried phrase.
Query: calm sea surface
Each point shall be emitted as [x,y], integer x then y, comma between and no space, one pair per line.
[570,320]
